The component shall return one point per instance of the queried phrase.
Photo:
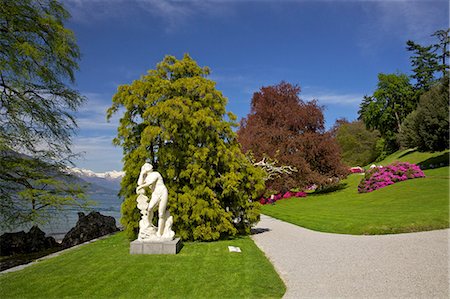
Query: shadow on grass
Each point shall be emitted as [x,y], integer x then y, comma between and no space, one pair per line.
[14,260]
[408,152]
[435,162]
[329,189]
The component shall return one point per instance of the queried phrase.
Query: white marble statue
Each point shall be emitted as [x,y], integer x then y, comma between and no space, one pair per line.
[154,182]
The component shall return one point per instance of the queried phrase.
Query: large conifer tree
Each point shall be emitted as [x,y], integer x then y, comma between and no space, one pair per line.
[175,119]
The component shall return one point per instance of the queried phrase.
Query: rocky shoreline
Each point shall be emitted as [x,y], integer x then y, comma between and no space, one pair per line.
[21,248]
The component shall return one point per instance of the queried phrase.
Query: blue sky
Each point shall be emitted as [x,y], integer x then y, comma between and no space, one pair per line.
[332,49]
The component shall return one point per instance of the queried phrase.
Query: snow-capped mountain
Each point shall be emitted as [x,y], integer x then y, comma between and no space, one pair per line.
[113,174]
[109,179]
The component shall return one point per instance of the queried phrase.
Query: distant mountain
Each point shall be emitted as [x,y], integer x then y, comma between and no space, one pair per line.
[104,180]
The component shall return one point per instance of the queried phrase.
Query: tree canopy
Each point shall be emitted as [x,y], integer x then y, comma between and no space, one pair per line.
[389,105]
[427,128]
[175,119]
[395,98]
[291,131]
[358,145]
[38,57]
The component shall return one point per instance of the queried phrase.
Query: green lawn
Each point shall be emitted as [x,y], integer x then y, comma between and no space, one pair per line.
[412,205]
[105,269]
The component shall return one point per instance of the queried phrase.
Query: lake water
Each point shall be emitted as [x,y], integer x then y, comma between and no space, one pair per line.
[106,203]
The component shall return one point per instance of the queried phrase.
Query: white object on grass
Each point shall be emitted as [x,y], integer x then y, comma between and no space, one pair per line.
[234,249]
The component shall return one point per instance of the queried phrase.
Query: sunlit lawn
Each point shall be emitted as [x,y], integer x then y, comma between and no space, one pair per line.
[105,269]
[412,205]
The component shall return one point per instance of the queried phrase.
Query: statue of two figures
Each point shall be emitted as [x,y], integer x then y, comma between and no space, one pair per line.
[154,182]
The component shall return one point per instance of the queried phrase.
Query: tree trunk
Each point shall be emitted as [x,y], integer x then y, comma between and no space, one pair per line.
[398,122]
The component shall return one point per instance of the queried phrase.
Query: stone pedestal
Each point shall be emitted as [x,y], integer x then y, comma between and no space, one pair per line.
[152,247]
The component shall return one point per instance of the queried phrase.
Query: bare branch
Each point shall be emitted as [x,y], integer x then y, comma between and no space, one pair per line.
[273,171]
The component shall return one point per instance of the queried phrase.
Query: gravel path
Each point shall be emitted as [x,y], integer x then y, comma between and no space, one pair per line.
[324,265]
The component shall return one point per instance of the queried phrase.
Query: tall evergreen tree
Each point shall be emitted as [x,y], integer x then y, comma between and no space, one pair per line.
[429,61]
[442,50]
[425,63]
[175,119]
[38,57]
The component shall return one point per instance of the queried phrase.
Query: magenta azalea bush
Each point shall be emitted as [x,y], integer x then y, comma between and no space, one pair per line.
[379,177]
[272,199]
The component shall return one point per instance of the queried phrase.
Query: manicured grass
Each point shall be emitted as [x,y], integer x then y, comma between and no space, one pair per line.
[105,269]
[409,206]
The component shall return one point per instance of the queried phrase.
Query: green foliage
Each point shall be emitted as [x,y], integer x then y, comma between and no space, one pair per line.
[410,127]
[380,148]
[33,191]
[38,57]
[174,119]
[427,128]
[105,269]
[38,54]
[358,145]
[388,106]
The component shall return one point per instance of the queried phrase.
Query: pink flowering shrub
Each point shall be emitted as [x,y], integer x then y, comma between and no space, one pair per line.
[275,197]
[379,177]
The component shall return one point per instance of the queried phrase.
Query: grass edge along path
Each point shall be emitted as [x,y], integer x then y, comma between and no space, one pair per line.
[105,269]
[408,206]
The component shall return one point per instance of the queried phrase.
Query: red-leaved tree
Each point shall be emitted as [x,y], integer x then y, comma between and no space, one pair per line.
[284,127]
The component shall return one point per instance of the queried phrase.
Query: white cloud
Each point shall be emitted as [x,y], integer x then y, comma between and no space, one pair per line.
[401,19]
[233,79]
[89,11]
[412,13]
[326,97]
[95,135]
[173,13]
[92,115]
